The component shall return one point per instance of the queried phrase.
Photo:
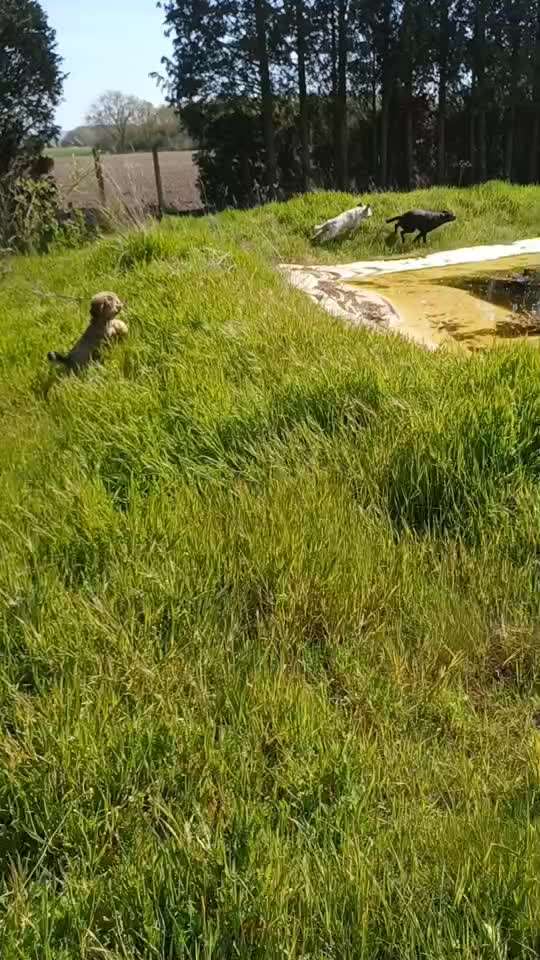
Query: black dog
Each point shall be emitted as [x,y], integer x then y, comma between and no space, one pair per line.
[422,220]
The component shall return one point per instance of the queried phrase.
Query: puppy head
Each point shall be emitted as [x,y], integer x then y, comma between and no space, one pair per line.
[105,306]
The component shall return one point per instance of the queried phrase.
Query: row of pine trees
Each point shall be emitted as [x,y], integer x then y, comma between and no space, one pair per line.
[372,92]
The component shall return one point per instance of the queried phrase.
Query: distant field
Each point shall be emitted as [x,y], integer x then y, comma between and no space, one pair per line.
[62,152]
[129,177]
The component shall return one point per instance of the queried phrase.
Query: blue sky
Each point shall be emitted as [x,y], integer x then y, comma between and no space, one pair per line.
[106,45]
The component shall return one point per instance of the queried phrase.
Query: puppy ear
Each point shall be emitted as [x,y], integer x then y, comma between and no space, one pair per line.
[96,308]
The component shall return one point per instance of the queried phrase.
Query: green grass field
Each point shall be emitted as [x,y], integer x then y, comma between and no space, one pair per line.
[270,611]
[58,153]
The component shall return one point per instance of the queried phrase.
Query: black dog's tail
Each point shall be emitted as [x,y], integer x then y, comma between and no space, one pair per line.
[393,219]
[54,357]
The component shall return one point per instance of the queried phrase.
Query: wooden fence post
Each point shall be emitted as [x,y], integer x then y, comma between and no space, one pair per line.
[159,182]
[98,167]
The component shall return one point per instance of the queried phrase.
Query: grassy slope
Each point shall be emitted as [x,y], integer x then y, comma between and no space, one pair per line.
[260,574]
[493,213]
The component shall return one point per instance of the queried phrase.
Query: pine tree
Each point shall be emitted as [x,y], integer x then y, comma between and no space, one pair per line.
[535,133]
[337,92]
[221,51]
[30,80]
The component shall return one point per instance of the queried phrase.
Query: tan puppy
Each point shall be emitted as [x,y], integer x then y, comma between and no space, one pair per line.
[104,326]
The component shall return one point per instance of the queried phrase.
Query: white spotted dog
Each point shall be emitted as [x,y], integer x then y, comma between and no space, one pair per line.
[345,222]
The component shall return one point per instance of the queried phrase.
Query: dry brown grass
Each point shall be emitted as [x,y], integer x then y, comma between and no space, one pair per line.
[130,177]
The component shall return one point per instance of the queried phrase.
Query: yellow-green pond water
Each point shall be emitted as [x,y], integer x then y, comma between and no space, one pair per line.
[472,305]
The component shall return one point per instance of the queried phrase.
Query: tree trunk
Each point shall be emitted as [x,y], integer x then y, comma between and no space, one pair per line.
[374,143]
[334,82]
[482,143]
[511,112]
[535,142]
[535,131]
[480,70]
[302,95]
[385,123]
[509,144]
[122,138]
[386,91]
[443,90]
[409,130]
[472,134]
[341,145]
[514,35]
[406,75]
[267,99]
[441,143]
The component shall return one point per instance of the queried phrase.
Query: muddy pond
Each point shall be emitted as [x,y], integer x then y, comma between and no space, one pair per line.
[473,305]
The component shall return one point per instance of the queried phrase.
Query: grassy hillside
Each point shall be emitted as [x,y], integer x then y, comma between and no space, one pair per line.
[270,605]
[492,213]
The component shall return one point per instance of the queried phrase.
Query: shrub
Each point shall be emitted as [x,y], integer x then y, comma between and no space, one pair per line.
[30,216]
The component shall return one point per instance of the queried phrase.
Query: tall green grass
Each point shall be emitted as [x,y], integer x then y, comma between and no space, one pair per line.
[269,612]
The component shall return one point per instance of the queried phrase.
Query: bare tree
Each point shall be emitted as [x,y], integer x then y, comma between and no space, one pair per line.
[118,112]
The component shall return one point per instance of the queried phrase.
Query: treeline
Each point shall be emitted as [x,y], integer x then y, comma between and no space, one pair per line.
[117,122]
[284,95]
[166,137]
